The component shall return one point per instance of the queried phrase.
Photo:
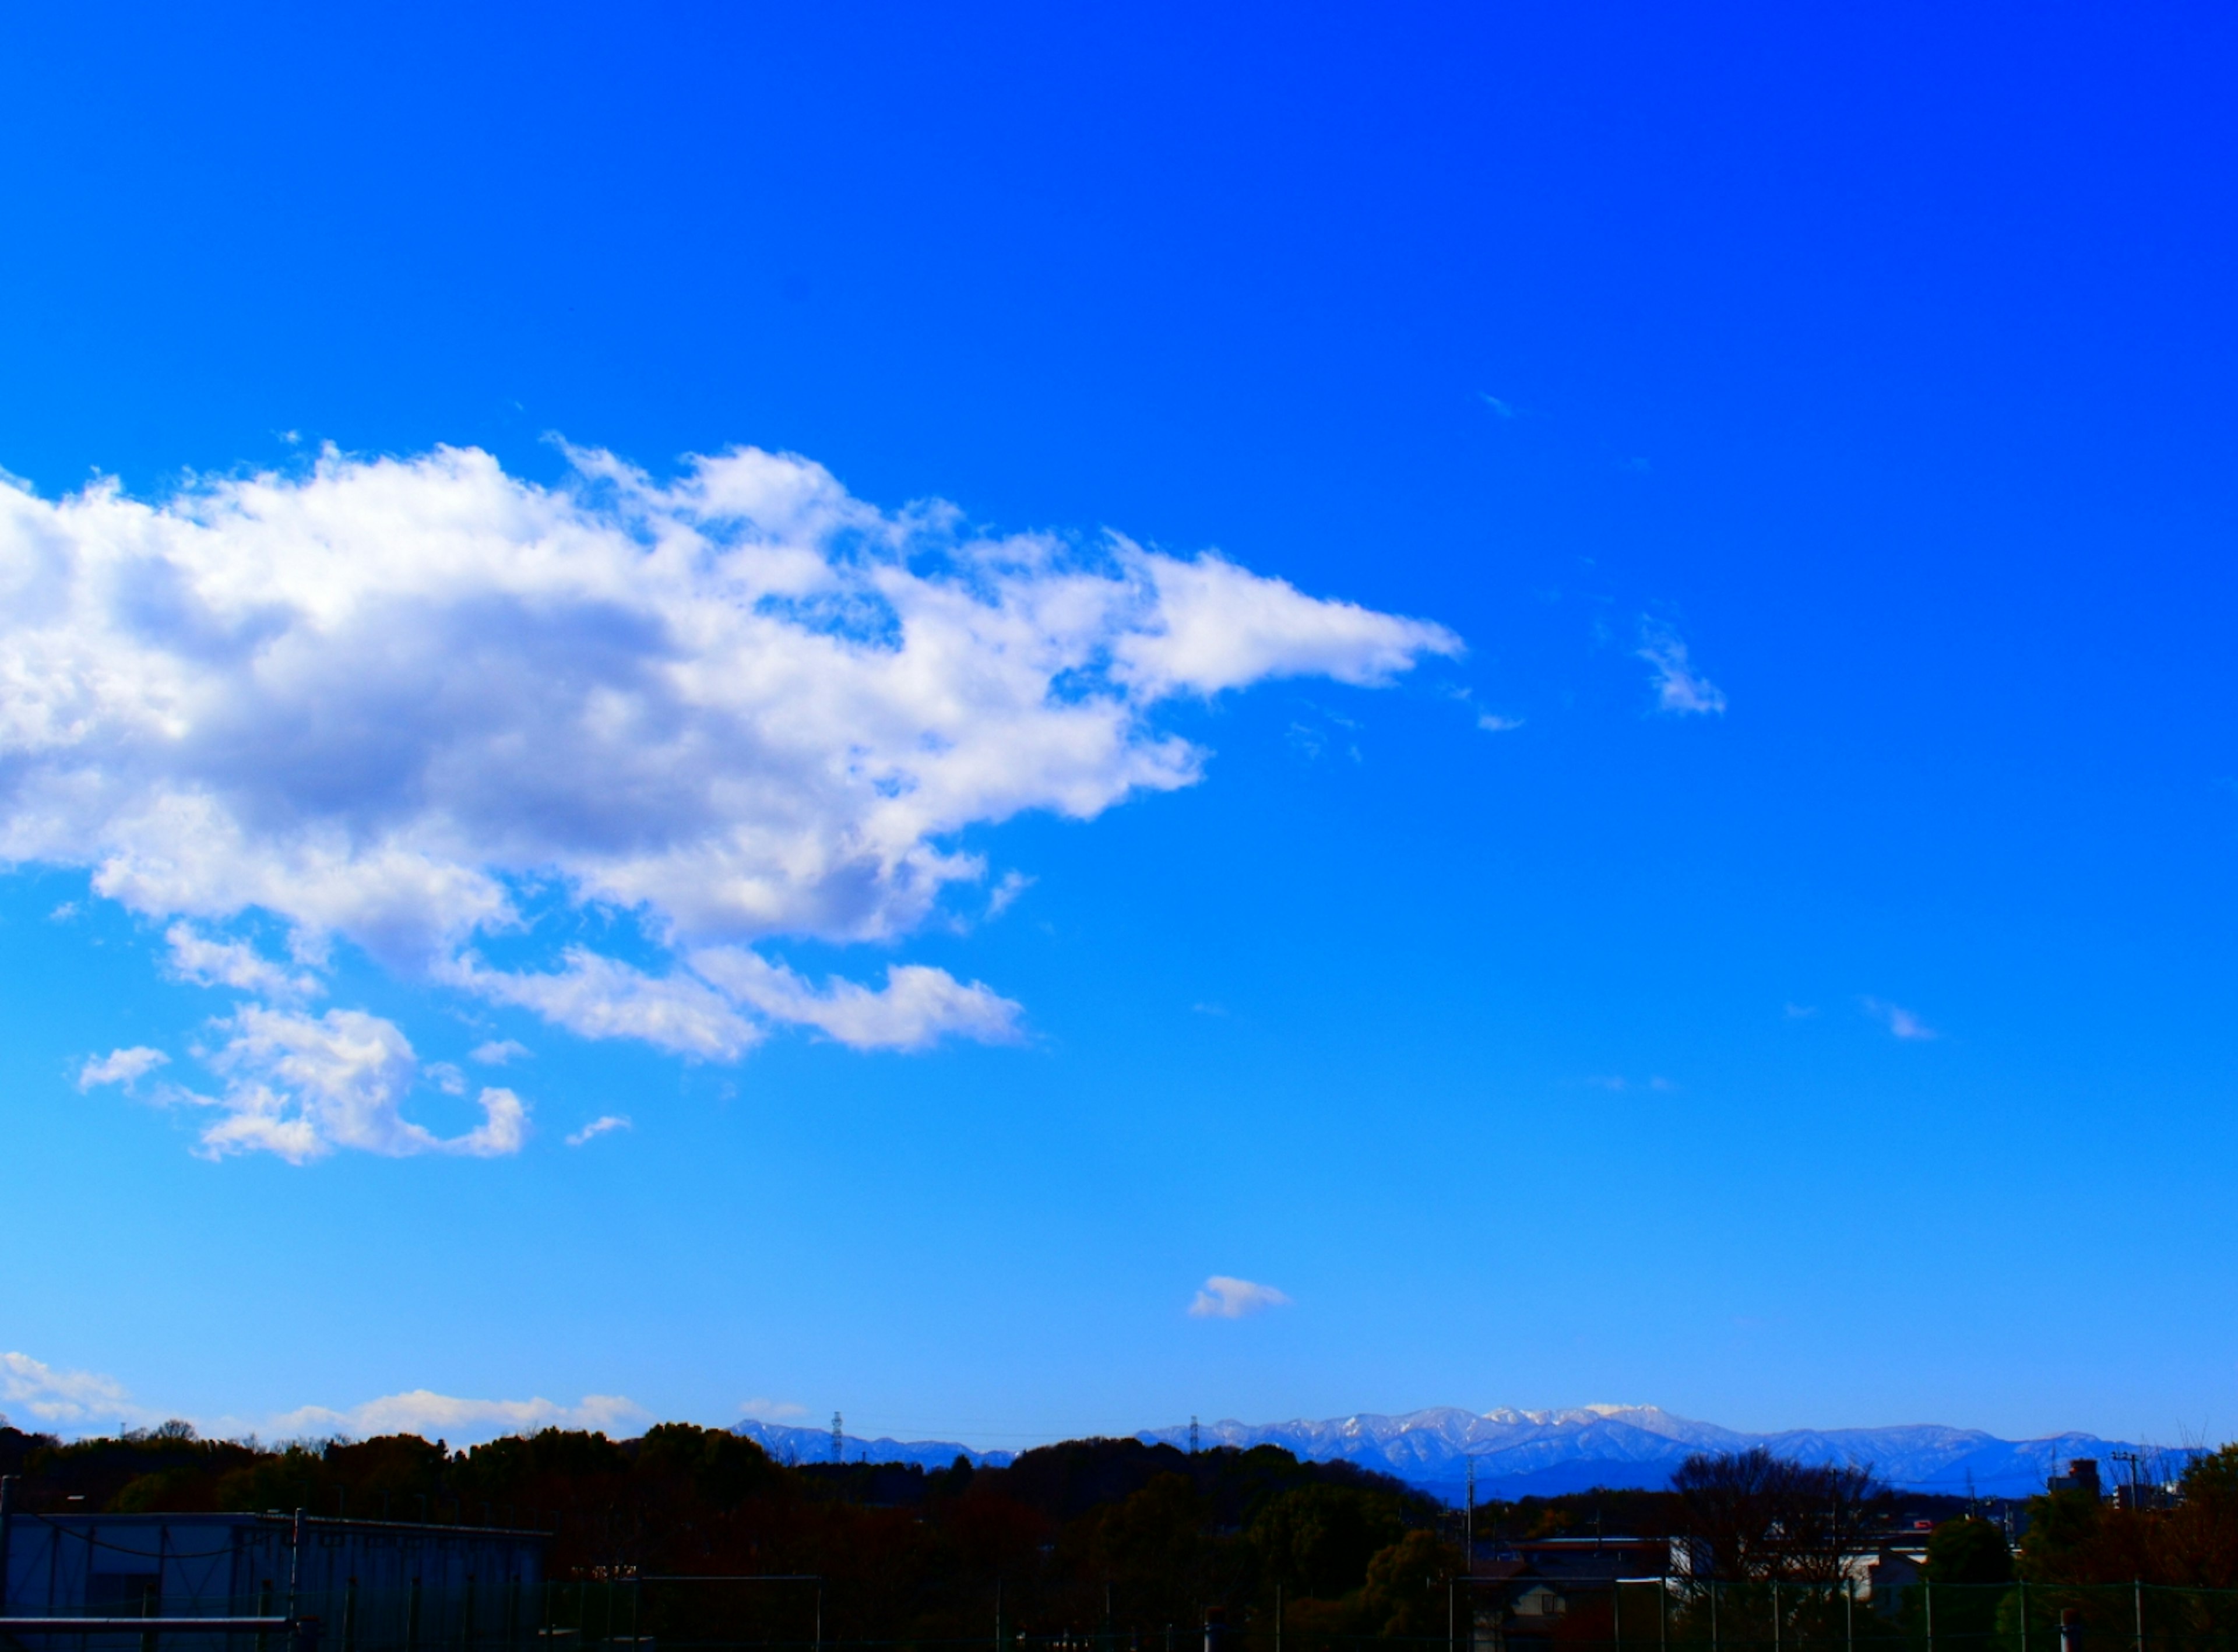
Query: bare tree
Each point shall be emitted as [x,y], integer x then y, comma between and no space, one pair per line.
[1764,1517]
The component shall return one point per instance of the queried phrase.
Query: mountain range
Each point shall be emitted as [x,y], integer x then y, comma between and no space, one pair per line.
[1520,1453]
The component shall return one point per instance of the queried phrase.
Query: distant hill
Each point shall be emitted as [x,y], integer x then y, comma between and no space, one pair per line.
[1520,1453]
[814,1445]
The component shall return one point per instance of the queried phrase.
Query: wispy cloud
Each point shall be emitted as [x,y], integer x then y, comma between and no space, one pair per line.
[434,1415]
[772,1410]
[1224,1298]
[1900,1021]
[598,1126]
[125,1067]
[1013,885]
[1492,722]
[79,1401]
[1801,1012]
[497,1053]
[207,962]
[1679,688]
[70,1397]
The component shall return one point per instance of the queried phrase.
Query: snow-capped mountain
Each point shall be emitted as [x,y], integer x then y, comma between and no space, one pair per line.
[1518,1452]
[1522,1452]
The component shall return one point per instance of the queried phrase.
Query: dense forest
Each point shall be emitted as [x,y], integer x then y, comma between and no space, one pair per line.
[1090,1534]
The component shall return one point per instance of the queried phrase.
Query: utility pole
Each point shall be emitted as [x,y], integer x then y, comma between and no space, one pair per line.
[1469,1524]
[2135,1462]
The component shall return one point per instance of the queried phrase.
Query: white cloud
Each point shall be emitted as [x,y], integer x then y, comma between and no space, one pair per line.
[1679,687]
[1223,1297]
[410,703]
[78,1402]
[63,913]
[206,962]
[1492,722]
[64,1397]
[301,1085]
[459,1421]
[125,1067]
[772,1410]
[1900,1021]
[595,997]
[597,1127]
[1207,624]
[1013,885]
[497,1053]
[917,1006]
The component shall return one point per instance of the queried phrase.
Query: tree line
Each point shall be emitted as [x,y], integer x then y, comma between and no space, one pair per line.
[1099,1534]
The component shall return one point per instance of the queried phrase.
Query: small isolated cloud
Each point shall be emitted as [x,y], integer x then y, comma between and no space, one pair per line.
[64,1397]
[1800,1012]
[206,962]
[445,1077]
[1207,1007]
[1013,885]
[597,1127]
[1504,409]
[1492,722]
[63,913]
[497,1053]
[1679,688]
[125,1067]
[434,1415]
[1223,1297]
[1900,1021]
[772,1410]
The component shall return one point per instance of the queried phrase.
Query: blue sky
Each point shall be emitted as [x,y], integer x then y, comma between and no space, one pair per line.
[1681,852]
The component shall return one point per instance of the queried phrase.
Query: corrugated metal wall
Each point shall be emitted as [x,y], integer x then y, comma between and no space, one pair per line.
[376,1586]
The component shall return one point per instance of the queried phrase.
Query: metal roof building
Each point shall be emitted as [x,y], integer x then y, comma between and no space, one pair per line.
[373,1585]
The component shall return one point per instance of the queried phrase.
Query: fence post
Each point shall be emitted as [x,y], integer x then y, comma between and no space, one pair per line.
[2023,1615]
[1775,1618]
[2140,1587]
[1616,1610]
[1713,1615]
[7,1519]
[1927,1593]
[1662,1615]
[1850,1614]
[349,1616]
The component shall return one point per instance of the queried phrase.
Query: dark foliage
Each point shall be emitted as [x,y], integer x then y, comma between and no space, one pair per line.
[1066,1534]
